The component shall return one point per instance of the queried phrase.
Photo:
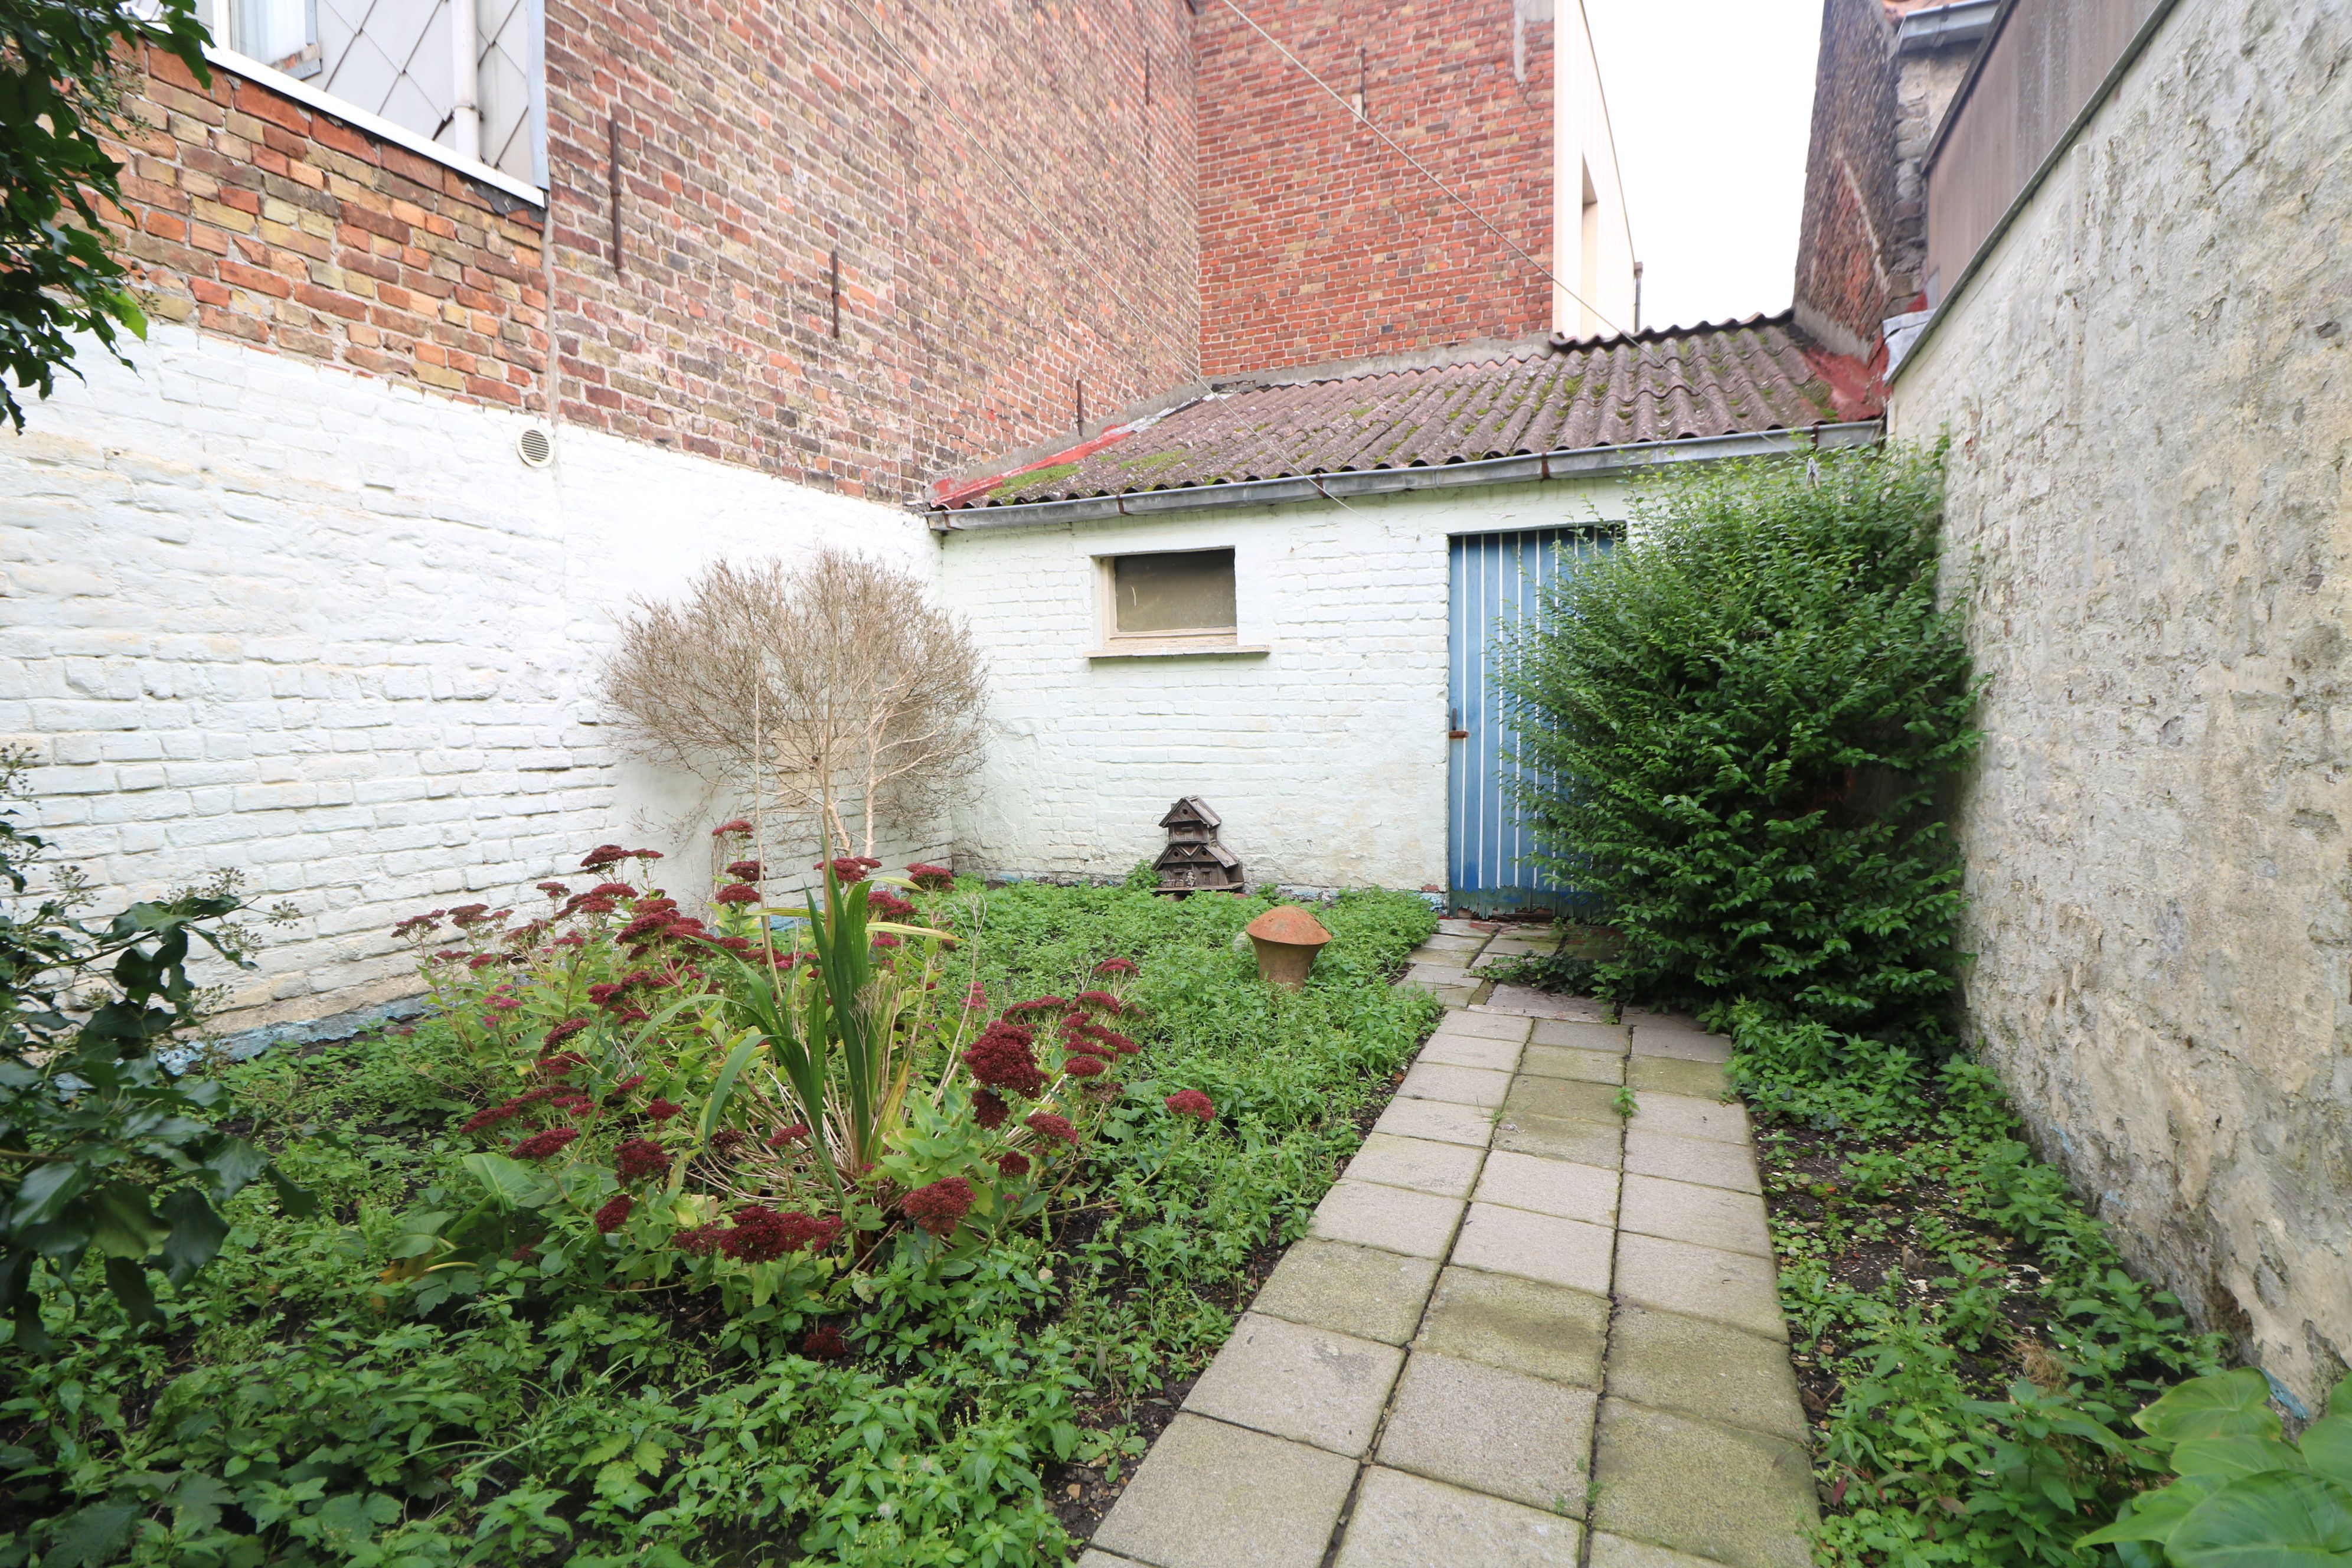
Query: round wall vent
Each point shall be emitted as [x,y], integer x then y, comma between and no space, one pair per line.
[535,448]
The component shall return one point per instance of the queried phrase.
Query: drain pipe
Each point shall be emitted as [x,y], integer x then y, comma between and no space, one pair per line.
[465,78]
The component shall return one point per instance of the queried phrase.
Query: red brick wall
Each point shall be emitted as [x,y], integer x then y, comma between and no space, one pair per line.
[1843,291]
[251,217]
[984,270]
[1319,243]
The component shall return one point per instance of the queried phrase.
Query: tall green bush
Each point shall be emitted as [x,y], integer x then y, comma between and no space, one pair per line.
[1741,718]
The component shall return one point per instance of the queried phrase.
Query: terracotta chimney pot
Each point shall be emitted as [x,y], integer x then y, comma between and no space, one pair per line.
[1288,939]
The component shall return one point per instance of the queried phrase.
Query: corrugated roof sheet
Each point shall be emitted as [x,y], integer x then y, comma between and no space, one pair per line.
[1731,378]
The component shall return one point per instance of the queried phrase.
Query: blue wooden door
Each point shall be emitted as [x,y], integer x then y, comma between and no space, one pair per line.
[1496,585]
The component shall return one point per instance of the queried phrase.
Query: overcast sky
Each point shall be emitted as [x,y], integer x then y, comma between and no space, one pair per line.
[1711,103]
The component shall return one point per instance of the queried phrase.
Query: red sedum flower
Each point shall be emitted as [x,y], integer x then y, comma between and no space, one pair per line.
[540,1145]
[1046,1125]
[941,1206]
[615,1213]
[934,878]
[1193,1102]
[1002,1058]
[1012,1166]
[762,1235]
[638,1158]
[989,1110]
[1115,966]
[663,1109]
[1082,1066]
[824,1342]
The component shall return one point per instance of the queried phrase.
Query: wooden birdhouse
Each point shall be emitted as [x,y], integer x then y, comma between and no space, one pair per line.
[1189,821]
[1194,862]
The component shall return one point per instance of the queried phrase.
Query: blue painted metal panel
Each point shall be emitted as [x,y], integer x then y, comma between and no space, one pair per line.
[1496,585]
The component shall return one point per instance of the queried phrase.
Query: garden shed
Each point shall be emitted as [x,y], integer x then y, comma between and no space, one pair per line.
[1283,593]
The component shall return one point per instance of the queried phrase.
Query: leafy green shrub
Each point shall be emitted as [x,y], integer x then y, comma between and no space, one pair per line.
[1739,719]
[101,1147]
[2243,1495]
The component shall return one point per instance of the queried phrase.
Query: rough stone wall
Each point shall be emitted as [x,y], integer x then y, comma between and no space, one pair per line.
[1327,755]
[1924,82]
[1317,241]
[1022,222]
[2149,391]
[328,630]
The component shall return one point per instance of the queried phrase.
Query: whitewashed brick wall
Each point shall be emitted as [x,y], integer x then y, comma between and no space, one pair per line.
[1327,757]
[255,612]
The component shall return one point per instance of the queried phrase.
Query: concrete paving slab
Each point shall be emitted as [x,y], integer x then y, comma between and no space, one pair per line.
[1521,1325]
[1452,996]
[1290,1380]
[1678,1075]
[1560,1187]
[1536,1246]
[1567,1061]
[1358,1290]
[1437,975]
[1560,1137]
[1567,1099]
[1486,1026]
[1685,1117]
[1697,1282]
[1442,943]
[1616,1551]
[1438,1118]
[1450,926]
[1095,1558]
[1581,1036]
[1418,1225]
[1651,1040]
[1546,1004]
[1469,1051]
[1210,1496]
[1705,1370]
[1684,1211]
[1701,1160]
[1462,1086]
[1498,1432]
[1740,1497]
[1425,1165]
[1403,1520]
[1662,1021]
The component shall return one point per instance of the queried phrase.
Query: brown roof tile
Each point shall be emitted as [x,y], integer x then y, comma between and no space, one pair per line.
[1541,396]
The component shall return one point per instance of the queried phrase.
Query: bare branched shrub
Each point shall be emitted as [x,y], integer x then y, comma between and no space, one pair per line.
[831,691]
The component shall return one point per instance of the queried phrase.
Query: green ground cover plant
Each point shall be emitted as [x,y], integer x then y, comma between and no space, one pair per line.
[1746,716]
[660,1242]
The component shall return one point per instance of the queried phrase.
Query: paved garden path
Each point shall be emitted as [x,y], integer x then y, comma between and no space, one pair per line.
[1525,1332]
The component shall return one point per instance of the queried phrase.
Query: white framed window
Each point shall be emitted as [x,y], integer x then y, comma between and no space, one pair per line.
[1169,601]
[462,81]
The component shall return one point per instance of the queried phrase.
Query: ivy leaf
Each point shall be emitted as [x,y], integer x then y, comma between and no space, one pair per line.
[196,1234]
[123,1224]
[2281,1519]
[128,1281]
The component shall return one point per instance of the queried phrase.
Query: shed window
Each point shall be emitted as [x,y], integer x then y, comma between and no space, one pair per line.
[1184,593]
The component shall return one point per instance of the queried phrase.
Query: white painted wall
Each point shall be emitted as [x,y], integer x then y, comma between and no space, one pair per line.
[1327,757]
[261,613]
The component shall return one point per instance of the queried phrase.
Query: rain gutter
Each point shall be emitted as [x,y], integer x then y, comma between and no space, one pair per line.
[1582,463]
